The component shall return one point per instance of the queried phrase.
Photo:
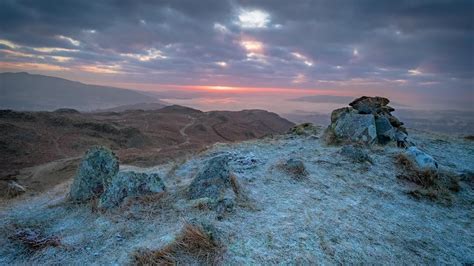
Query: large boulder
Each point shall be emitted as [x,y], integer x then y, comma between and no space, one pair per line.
[420,160]
[96,170]
[369,105]
[356,128]
[130,184]
[213,180]
[216,184]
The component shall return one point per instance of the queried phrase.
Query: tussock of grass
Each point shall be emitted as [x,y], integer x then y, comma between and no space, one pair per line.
[192,245]
[423,178]
[435,186]
[304,129]
[34,239]
[235,184]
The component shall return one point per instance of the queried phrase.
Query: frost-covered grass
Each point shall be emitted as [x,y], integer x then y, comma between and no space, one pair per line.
[341,212]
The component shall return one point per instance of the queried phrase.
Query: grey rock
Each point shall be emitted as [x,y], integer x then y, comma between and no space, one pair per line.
[355,154]
[420,160]
[369,105]
[10,188]
[356,128]
[336,114]
[130,184]
[213,180]
[96,170]
[394,121]
[385,130]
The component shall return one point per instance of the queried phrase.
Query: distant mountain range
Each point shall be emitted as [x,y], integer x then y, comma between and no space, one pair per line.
[28,92]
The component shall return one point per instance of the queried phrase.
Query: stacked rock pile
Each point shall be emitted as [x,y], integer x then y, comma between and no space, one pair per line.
[368,120]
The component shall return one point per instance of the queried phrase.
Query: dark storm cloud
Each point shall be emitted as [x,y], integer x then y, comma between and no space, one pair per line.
[303,43]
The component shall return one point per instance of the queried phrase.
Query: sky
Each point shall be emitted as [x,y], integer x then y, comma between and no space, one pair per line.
[278,55]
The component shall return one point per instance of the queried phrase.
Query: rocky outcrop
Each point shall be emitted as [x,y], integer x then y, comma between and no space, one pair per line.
[96,170]
[98,177]
[368,120]
[130,184]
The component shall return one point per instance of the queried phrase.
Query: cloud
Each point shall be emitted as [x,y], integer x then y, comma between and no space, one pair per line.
[249,43]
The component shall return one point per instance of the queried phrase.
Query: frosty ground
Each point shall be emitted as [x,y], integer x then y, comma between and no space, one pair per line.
[341,212]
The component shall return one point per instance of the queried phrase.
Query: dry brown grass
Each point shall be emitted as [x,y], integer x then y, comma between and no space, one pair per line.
[423,178]
[235,184]
[436,186]
[193,244]
[469,137]
[34,239]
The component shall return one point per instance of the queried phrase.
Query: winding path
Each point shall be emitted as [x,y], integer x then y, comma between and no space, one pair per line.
[182,131]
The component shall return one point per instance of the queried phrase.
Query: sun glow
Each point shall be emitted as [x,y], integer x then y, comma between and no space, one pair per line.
[253,19]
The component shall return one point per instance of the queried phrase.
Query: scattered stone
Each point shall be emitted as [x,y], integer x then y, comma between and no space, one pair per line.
[355,154]
[130,184]
[10,188]
[244,161]
[420,160]
[305,129]
[356,128]
[97,169]
[295,167]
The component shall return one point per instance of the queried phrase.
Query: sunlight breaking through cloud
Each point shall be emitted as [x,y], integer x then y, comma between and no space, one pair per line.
[253,19]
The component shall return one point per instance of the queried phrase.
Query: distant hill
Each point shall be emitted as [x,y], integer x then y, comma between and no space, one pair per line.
[139,137]
[24,91]
[137,106]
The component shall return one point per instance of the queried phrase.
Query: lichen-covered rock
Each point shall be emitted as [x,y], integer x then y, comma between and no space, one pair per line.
[369,105]
[355,154]
[304,129]
[213,180]
[130,184]
[356,128]
[385,130]
[420,160]
[97,169]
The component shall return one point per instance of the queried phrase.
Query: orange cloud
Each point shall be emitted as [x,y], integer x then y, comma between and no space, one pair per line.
[31,66]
